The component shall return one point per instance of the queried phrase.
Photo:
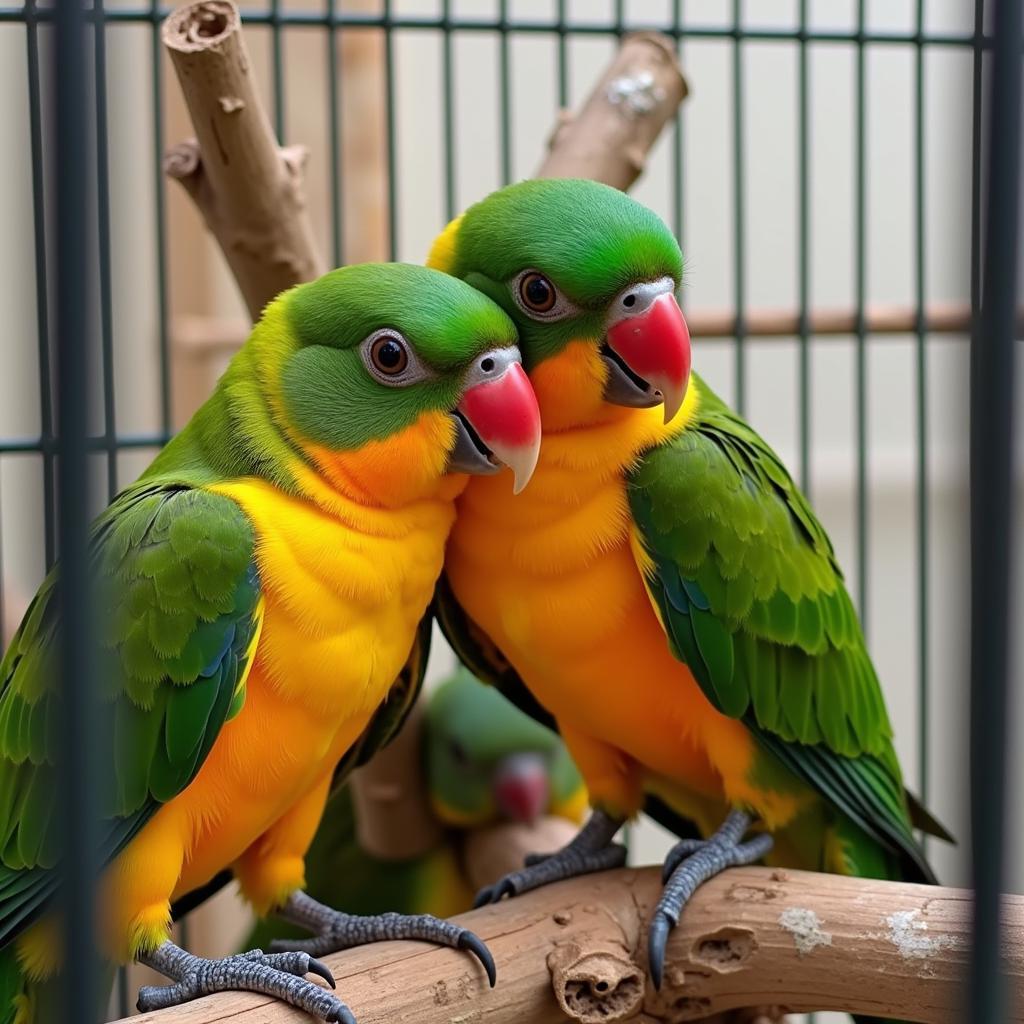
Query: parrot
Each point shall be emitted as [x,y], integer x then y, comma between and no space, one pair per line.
[263,586]
[484,762]
[664,592]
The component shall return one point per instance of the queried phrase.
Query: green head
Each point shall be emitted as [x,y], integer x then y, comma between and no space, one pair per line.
[487,761]
[570,260]
[395,371]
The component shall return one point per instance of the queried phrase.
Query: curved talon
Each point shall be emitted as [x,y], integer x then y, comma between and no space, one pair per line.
[472,942]
[656,941]
[321,970]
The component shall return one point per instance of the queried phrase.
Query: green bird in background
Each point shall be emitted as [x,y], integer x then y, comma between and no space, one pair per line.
[484,762]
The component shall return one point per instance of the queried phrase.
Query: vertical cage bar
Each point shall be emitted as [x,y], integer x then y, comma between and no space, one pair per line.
[103,240]
[861,374]
[163,335]
[278,55]
[448,84]
[389,103]
[76,770]
[739,210]
[803,254]
[334,135]
[992,424]
[563,58]
[921,400]
[506,98]
[35,110]
[976,98]
[679,149]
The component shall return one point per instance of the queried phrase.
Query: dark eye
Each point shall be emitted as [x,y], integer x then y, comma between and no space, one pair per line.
[459,755]
[389,355]
[537,293]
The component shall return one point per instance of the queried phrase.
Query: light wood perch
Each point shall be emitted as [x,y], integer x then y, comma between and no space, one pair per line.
[248,190]
[752,936]
[611,136]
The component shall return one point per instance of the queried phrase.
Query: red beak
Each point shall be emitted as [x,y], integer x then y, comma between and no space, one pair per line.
[504,414]
[655,345]
[521,787]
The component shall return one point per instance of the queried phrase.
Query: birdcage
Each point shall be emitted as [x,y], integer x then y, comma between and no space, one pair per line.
[843,180]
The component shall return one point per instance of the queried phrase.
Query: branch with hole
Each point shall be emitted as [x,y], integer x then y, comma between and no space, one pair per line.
[750,937]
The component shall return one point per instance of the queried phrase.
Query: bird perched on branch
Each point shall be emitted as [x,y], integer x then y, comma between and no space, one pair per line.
[484,763]
[664,590]
[260,589]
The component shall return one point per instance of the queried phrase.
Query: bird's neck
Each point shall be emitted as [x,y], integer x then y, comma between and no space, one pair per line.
[577,419]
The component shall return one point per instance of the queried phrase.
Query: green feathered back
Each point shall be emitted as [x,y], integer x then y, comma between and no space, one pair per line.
[752,600]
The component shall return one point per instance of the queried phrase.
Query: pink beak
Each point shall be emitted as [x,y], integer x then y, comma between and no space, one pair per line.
[655,345]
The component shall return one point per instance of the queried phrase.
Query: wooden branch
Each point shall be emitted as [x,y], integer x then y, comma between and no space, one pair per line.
[394,820]
[248,190]
[610,137]
[752,936]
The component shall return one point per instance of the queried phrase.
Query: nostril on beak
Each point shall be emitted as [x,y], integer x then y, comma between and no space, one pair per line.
[629,301]
[487,364]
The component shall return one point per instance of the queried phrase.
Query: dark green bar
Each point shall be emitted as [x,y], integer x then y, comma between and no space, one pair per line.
[334,113]
[506,98]
[156,55]
[103,238]
[46,442]
[448,74]
[921,394]
[739,214]
[993,383]
[860,273]
[276,21]
[389,97]
[563,57]
[679,149]
[386,21]
[803,256]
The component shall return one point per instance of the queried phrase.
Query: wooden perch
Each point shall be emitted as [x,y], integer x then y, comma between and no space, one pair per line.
[248,190]
[610,137]
[752,936]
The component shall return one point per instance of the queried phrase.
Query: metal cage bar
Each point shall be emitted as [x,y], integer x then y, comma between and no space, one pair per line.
[993,357]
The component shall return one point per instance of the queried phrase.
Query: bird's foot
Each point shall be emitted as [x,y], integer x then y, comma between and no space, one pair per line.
[274,974]
[689,864]
[334,930]
[592,849]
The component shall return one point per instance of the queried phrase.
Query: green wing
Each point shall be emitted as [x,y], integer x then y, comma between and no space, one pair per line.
[178,595]
[752,600]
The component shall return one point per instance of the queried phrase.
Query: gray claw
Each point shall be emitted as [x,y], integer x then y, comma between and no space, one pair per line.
[468,940]
[657,938]
[321,970]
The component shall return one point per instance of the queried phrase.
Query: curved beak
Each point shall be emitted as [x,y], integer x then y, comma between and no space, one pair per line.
[521,787]
[648,349]
[497,420]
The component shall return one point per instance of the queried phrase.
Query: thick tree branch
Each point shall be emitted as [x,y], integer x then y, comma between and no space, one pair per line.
[611,136]
[248,190]
[752,936]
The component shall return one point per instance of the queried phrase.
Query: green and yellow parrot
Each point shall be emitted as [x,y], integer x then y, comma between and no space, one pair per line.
[664,590]
[485,762]
[261,587]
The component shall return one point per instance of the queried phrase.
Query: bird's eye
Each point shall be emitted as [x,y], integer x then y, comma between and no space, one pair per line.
[389,355]
[459,755]
[537,293]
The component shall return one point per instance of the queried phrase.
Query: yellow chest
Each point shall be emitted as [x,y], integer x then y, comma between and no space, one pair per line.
[342,597]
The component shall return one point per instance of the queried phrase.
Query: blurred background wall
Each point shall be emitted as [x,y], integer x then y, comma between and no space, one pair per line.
[206,318]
